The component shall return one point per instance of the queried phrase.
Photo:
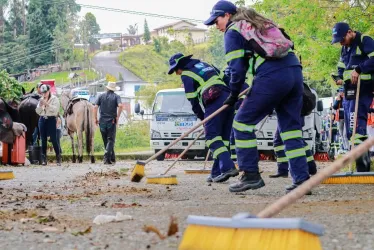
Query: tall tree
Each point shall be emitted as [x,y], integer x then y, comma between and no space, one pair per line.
[3,5]
[147,33]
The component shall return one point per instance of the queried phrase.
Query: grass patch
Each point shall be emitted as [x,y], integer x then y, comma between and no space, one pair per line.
[62,77]
[129,138]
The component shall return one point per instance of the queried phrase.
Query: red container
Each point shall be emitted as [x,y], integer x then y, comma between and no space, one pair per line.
[17,151]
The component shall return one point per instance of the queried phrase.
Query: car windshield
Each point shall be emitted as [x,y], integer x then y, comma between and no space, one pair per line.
[173,103]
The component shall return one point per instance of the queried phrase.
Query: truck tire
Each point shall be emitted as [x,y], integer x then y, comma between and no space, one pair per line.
[161,157]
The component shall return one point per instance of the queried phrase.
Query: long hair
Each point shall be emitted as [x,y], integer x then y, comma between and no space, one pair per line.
[250,15]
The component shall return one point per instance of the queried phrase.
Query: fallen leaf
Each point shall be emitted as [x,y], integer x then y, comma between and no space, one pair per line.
[173,226]
[49,241]
[153,229]
[88,230]
[350,235]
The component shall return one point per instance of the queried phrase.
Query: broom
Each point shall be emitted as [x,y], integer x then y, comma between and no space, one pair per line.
[138,171]
[6,175]
[171,179]
[250,232]
[200,171]
[351,177]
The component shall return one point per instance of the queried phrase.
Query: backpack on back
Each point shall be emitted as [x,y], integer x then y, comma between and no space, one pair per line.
[269,44]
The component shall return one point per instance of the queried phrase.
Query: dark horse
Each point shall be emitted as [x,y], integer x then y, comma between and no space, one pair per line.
[27,114]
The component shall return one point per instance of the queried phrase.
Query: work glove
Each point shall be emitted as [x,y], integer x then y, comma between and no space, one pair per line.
[231,100]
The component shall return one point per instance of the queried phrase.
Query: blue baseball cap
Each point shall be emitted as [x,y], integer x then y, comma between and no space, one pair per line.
[176,60]
[341,89]
[339,31]
[219,9]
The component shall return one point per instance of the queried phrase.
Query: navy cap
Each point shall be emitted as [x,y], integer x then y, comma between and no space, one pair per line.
[340,90]
[339,31]
[219,9]
[175,60]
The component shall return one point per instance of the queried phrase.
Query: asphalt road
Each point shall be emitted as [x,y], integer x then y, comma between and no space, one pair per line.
[107,63]
[49,207]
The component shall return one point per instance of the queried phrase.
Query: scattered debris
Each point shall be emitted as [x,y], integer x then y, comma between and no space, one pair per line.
[123,205]
[51,230]
[88,230]
[173,229]
[103,219]
[48,240]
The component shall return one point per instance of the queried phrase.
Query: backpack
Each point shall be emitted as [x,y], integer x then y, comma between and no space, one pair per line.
[270,44]
[309,101]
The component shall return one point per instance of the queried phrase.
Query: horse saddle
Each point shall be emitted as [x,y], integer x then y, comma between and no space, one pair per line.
[69,109]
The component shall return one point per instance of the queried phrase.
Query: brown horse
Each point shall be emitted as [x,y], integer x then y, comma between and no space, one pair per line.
[79,118]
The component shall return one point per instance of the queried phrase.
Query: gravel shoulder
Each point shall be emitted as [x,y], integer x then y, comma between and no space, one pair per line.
[54,207]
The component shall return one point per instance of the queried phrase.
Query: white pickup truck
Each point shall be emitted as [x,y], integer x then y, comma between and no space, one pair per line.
[172,115]
[265,130]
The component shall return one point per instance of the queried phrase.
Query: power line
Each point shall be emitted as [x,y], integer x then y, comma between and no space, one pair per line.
[31,50]
[31,56]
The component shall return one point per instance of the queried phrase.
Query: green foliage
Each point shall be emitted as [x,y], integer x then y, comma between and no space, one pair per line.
[120,77]
[131,137]
[147,33]
[62,77]
[309,23]
[153,69]
[157,45]
[216,48]
[10,89]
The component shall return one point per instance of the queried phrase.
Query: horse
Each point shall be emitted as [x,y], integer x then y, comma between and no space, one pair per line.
[78,114]
[28,116]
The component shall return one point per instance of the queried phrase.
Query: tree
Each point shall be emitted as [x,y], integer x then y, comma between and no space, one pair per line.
[3,5]
[147,33]
[133,29]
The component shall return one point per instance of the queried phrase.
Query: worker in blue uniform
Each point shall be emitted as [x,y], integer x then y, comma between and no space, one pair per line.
[204,85]
[278,84]
[237,106]
[282,160]
[356,60]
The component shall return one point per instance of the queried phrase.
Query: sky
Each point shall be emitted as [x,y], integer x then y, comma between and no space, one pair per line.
[112,22]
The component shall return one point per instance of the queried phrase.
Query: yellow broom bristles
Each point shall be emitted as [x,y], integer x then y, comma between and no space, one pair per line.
[349,180]
[197,237]
[6,175]
[197,171]
[138,172]
[163,180]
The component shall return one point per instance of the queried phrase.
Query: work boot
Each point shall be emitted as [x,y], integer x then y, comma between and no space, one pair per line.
[312,167]
[58,160]
[278,175]
[209,179]
[295,185]
[225,176]
[248,180]
[44,160]
[107,162]
[363,163]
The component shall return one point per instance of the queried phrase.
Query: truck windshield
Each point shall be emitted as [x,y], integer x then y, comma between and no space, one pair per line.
[173,103]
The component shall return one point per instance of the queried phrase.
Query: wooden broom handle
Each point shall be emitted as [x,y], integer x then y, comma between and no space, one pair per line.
[355,118]
[206,159]
[315,180]
[191,130]
[184,151]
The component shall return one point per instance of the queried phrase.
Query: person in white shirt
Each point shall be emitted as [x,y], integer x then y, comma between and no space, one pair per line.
[48,109]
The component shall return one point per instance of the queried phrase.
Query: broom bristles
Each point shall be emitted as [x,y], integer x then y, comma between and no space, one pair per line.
[163,180]
[138,172]
[6,175]
[351,178]
[250,233]
[197,171]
